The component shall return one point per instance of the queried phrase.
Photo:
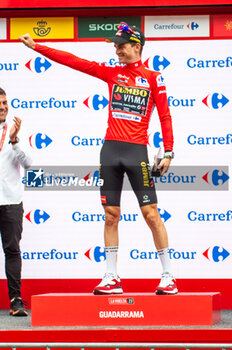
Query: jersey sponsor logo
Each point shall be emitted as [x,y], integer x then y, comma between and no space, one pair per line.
[103,199]
[38,65]
[139,81]
[215,100]
[129,99]
[123,78]
[134,118]
[160,81]
[216,253]
[146,199]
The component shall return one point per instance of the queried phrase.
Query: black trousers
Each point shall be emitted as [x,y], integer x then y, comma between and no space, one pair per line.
[11,218]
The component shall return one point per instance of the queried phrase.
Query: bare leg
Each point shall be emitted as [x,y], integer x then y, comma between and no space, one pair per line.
[112,217]
[152,218]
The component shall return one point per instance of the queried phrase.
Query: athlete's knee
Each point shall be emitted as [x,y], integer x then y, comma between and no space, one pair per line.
[112,216]
[151,215]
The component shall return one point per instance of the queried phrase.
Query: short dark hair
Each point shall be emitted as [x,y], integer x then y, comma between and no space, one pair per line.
[2,92]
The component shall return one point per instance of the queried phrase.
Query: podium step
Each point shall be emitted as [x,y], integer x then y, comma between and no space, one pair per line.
[131,309]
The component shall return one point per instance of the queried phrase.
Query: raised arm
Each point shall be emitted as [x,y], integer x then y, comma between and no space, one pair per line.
[27,40]
[89,67]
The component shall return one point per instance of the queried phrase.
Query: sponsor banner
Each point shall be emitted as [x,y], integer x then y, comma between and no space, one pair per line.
[101,27]
[2,28]
[222,25]
[86,178]
[43,28]
[176,26]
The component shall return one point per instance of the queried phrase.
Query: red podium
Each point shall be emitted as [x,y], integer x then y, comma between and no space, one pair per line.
[134,309]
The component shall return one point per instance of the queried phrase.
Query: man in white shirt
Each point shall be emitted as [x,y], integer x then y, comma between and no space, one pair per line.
[12,157]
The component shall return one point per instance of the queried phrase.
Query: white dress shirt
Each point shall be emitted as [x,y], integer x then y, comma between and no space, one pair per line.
[12,157]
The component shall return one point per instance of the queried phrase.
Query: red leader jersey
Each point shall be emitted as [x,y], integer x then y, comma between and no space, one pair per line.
[134,90]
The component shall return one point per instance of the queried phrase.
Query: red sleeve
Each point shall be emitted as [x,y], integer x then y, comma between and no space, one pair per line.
[98,70]
[161,101]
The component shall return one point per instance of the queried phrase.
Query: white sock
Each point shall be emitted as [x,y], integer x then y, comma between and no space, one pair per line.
[111,259]
[165,259]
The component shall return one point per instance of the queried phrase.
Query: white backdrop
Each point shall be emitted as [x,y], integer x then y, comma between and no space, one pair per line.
[56,247]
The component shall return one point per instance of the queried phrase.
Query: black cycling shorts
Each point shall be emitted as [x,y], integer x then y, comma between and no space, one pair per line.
[118,158]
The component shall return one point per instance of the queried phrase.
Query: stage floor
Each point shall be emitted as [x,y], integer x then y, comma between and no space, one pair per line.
[8,322]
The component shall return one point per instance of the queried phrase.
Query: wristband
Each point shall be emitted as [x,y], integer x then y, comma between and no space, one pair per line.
[16,140]
[169,154]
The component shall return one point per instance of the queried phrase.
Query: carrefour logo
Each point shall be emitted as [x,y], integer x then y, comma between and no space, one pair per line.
[195,216]
[181,102]
[193,62]
[215,177]
[50,103]
[39,140]
[212,101]
[96,102]
[216,254]
[192,26]
[165,216]
[37,216]
[155,139]
[87,141]
[38,65]
[215,100]
[209,140]
[137,254]
[78,216]
[9,66]
[96,254]
[157,63]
